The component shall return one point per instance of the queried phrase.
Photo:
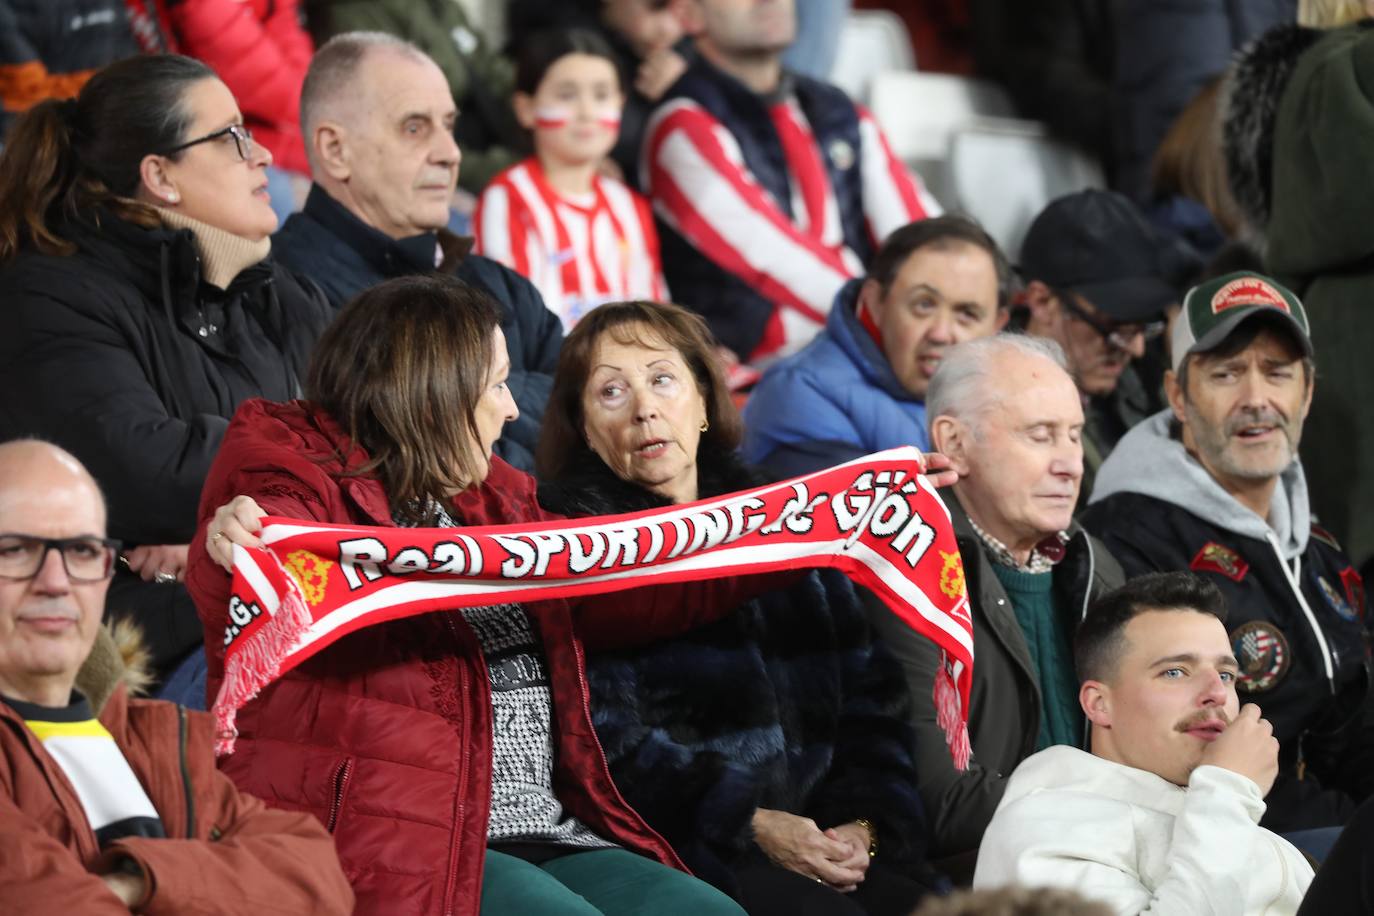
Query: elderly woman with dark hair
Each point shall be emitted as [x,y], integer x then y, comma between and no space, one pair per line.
[770,748]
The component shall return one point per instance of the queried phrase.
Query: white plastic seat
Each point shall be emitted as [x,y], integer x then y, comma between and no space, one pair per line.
[871,42]
[919,112]
[1003,173]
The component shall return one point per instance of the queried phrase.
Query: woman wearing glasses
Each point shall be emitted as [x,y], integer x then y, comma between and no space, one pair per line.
[141,306]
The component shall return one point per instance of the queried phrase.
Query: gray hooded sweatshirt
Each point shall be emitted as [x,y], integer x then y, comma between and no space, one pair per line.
[1149,462]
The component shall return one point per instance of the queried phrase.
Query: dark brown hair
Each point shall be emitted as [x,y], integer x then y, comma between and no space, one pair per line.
[401,369]
[1191,161]
[940,233]
[1100,639]
[648,324]
[68,157]
[542,50]
[1013,901]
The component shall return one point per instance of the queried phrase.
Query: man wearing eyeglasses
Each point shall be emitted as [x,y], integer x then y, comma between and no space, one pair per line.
[1214,484]
[109,804]
[1097,283]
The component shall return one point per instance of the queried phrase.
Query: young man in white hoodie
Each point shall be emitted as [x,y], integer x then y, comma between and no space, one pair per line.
[1214,485]
[1162,817]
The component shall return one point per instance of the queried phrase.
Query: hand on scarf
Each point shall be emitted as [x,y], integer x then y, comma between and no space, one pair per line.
[236,522]
[939,471]
[796,843]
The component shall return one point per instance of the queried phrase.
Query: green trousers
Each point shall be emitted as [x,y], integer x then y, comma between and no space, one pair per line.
[600,882]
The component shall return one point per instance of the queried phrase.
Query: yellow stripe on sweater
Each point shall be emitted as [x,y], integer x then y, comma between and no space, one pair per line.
[91,728]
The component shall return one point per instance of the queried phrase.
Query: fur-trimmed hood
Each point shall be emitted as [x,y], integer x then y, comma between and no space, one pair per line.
[118,656]
[1250,108]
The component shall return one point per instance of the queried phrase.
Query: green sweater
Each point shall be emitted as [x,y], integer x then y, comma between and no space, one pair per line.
[1050,646]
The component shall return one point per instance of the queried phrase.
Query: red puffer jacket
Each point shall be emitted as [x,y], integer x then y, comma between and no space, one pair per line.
[261,51]
[386,735]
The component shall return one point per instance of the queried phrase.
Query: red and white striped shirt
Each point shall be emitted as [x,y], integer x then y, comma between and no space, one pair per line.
[578,253]
[700,186]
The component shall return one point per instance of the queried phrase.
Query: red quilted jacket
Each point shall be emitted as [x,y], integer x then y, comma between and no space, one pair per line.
[386,735]
[261,51]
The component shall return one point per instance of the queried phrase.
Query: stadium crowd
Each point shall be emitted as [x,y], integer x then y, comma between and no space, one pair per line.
[358,263]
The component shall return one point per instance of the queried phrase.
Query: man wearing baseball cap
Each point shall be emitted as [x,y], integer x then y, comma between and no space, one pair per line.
[1213,484]
[1098,282]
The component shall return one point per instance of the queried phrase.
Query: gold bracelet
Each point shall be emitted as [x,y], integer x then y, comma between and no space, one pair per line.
[866,824]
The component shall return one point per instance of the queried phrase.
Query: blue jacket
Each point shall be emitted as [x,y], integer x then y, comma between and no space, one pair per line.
[735,312]
[834,400]
[345,256]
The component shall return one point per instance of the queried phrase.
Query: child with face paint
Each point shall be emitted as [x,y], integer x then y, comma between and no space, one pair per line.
[581,238]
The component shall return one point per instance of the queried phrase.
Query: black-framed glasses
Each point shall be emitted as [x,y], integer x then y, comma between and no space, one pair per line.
[86,559]
[1119,335]
[243,141]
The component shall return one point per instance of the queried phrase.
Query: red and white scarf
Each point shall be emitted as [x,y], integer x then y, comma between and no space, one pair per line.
[876,519]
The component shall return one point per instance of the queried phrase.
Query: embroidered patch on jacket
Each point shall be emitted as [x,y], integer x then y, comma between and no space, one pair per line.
[1262,651]
[1326,537]
[1339,603]
[1354,589]
[1213,557]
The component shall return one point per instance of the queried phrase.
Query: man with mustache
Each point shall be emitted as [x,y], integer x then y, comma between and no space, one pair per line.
[1097,283]
[859,387]
[1162,816]
[377,116]
[110,804]
[1213,484]
[1006,413]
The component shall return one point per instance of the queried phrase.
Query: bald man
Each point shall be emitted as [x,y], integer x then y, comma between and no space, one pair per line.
[377,117]
[109,804]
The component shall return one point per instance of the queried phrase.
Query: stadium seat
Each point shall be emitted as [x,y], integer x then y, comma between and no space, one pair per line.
[920,112]
[1003,172]
[871,43]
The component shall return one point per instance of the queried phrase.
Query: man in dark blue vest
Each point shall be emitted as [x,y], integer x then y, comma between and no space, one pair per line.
[771,189]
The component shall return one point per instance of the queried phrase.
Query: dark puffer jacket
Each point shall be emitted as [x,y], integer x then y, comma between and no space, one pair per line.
[120,354]
[786,704]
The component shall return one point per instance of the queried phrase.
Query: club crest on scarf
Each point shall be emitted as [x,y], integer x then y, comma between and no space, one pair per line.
[876,519]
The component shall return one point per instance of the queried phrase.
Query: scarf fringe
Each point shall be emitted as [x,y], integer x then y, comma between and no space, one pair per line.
[948,718]
[257,662]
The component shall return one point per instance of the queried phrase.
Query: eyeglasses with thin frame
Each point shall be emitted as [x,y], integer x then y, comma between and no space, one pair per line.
[243,141]
[1120,336]
[86,559]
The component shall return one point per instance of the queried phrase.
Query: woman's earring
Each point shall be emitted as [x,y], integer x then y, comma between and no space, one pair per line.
[705,425]
[173,197]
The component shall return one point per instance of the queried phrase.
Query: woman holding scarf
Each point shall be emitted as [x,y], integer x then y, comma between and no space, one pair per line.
[451,754]
[771,747]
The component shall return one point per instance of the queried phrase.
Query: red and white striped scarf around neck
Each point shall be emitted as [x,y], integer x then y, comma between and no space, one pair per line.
[876,519]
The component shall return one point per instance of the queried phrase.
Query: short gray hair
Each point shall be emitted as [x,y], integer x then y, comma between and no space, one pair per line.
[962,386]
[335,65]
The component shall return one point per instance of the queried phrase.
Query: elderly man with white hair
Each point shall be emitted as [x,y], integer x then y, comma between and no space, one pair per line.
[1007,414]
[109,804]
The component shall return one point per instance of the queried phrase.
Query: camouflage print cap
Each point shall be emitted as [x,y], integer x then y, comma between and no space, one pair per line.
[1212,310]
